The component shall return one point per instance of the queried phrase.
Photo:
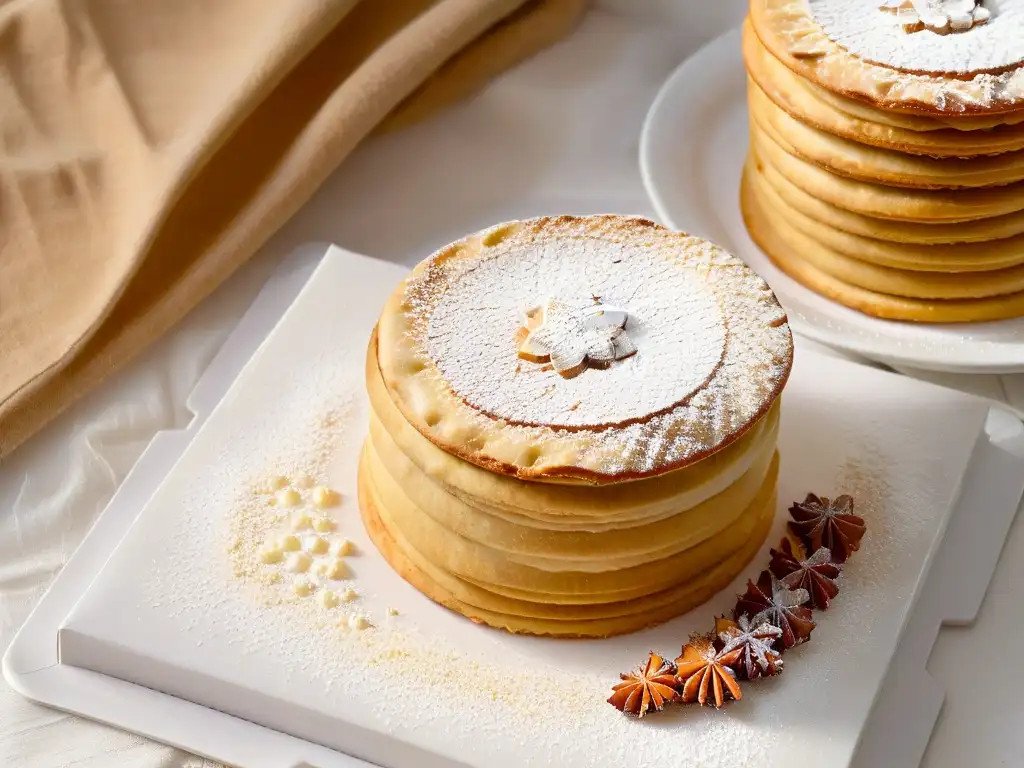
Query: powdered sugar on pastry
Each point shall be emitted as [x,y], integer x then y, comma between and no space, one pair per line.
[927,36]
[941,16]
[790,32]
[713,349]
[672,318]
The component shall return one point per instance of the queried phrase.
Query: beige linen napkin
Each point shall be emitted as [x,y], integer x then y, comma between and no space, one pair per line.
[149,147]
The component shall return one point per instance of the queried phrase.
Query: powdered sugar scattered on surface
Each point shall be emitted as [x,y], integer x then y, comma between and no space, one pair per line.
[864,29]
[467,695]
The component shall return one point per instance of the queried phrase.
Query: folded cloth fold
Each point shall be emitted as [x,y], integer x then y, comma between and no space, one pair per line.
[148,149]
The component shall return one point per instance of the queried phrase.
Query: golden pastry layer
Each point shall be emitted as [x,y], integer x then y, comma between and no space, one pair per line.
[715,349]
[863,162]
[898,233]
[793,31]
[930,297]
[573,424]
[886,202]
[658,547]
[527,616]
[857,121]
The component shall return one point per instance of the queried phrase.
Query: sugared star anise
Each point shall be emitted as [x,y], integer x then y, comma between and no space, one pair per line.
[817,573]
[706,674]
[771,601]
[755,643]
[828,523]
[647,687]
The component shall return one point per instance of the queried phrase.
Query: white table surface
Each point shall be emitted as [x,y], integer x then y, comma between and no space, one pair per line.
[559,134]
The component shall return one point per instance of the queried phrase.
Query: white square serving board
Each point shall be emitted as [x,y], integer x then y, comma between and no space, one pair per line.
[147,628]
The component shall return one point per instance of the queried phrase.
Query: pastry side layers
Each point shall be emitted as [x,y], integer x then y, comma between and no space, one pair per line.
[573,424]
[639,567]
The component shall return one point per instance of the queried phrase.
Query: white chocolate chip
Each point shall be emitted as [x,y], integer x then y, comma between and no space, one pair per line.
[323,525]
[318,545]
[289,543]
[304,482]
[288,497]
[303,587]
[342,548]
[277,482]
[270,555]
[328,599]
[359,622]
[332,569]
[298,562]
[324,497]
[349,595]
[301,522]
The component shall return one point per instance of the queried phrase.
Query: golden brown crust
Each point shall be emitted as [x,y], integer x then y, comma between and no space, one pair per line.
[854,160]
[787,30]
[635,614]
[607,454]
[920,284]
[873,303]
[983,256]
[892,231]
[852,120]
[885,202]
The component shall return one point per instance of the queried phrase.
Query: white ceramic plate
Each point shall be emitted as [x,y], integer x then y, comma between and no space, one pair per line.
[692,150]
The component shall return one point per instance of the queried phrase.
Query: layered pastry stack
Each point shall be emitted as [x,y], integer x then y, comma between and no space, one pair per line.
[887,152]
[573,424]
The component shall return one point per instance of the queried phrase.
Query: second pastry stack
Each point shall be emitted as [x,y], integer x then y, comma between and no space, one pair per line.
[886,169]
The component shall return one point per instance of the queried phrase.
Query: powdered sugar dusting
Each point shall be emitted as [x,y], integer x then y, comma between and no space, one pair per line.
[791,31]
[455,693]
[672,317]
[714,346]
[864,28]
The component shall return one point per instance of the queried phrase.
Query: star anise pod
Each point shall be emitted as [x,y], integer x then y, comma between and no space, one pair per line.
[817,573]
[757,655]
[828,523]
[706,674]
[647,687]
[771,601]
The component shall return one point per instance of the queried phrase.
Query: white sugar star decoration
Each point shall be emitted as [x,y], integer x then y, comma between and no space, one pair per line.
[573,337]
[941,16]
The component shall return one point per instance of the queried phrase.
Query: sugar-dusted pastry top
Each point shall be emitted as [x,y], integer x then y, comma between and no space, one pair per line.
[600,348]
[897,54]
[941,37]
